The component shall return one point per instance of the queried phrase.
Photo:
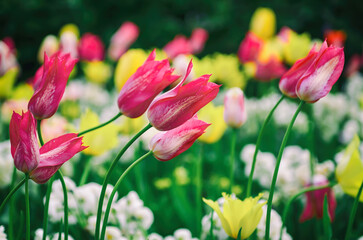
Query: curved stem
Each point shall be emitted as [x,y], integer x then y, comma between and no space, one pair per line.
[276,171]
[258,143]
[65,203]
[27,208]
[293,198]
[40,133]
[232,159]
[108,174]
[101,125]
[46,207]
[103,232]
[86,170]
[199,188]
[11,193]
[353,212]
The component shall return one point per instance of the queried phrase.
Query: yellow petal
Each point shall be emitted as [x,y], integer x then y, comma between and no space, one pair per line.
[263,23]
[214,115]
[215,207]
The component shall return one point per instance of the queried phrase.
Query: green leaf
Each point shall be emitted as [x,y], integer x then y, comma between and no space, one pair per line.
[326,220]
[239,234]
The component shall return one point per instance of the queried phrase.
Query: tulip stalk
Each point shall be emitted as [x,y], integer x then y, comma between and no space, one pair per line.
[232,159]
[101,125]
[27,208]
[11,193]
[119,181]
[353,212]
[293,198]
[108,174]
[199,187]
[12,207]
[276,171]
[258,143]
[46,207]
[65,196]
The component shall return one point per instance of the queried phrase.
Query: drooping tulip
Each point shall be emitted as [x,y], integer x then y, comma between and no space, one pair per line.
[197,39]
[235,114]
[169,144]
[122,40]
[322,74]
[249,48]
[315,201]
[91,48]
[143,86]
[179,104]
[48,90]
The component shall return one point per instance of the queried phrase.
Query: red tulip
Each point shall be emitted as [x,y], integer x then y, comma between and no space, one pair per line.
[197,39]
[143,86]
[178,105]
[49,90]
[267,71]
[179,45]
[169,144]
[91,48]
[335,37]
[249,48]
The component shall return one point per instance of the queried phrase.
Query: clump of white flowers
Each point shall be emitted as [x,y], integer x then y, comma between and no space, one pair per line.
[6,164]
[2,233]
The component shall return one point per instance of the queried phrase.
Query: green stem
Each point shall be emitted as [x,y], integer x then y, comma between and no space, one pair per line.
[40,133]
[353,212]
[293,198]
[12,208]
[108,174]
[232,159]
[276,171]
[103,232]
[199,188]
[211,234]
[11,193]
[101,125]
[46,207]
[311,143]
[86,171]
[27,208]
[65,203]
[258,143]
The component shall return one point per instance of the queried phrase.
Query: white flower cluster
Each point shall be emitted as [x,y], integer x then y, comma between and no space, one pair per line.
[2,233]
[39,235]
[179,234]
[6,164]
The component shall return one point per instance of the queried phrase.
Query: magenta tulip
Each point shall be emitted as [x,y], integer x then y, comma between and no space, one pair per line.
[169,144]
[234,108]
[48,91]
[91,48]
[197,39]
[178,105]
[249,48]
[143,86]
[179,45]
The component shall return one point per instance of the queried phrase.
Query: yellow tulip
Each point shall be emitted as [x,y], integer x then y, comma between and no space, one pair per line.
[212,114]
[127,65]
[297,47]
[238,214]
[130,126]
[263,23]
[100,140]
[271,49]
[70,28]
[7,82]
[97,71]
[349,171]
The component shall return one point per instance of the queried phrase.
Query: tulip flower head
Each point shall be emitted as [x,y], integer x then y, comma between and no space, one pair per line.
[179,45]
[197,39]
[50,46]
[91,48]
[263,23]
[48,90]
[238,214]
[143,86]
[178,105]
[169,144]
[250,48]
[235,114]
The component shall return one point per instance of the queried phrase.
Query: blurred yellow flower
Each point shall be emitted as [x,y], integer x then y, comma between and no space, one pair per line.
[238,214]
[100,140]
[70,109]
[214,115]
[70,27]
[271,49]
[22,91]
[7,82]
[181,176]
[127,65]
[226,71]
[130,126]
[263,23]
[204,66]
[162,183]
[349,171]
[97,71]
[296,47]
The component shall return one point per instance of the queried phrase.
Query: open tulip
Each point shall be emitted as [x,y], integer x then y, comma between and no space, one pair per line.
[91,48]
[322,74]
[250,48]
[48,90]
[238,214]
[169,144]
[234,108]
[178,105]
[143,86]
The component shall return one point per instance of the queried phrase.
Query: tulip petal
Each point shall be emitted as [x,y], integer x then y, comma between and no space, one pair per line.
[225,223]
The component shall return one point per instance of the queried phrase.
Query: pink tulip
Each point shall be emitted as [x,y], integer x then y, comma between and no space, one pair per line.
[143,86]
[290,79]
[24,142]
[178,105]
[321,75]
[91,48]
[315,201]
[49,90]
[41,164]
[249,48]
[197,39]
[234,108]
[267,71]
[122,40]
[7,59]
[179,45]
[53,154]
[10,43]
[68,44]
[169,144]
[353,65]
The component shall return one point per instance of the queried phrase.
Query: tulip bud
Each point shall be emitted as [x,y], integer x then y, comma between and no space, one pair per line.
[234,108]
[68,43]
[142,87]
[263,23]
[197,39]
[178,105]
[321,75]
[48,91]
[267,71]
[179,45]
[91,48]
[7,59]
[50,46]
[250,48]
[169,144]
[24,142]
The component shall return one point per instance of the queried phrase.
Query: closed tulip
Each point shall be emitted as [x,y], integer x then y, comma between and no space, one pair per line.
[169,144]
[178,105]
[197,39]
[235,114]
[179,45]
[250,48]
[91,48]
[263,23]
[143,86]
[50,45]
[48,90]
